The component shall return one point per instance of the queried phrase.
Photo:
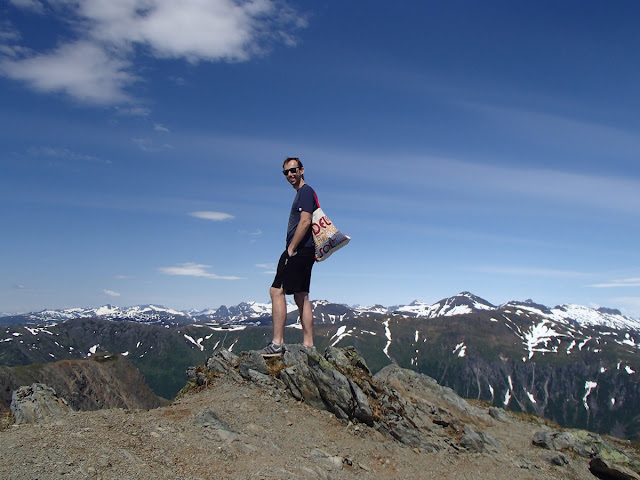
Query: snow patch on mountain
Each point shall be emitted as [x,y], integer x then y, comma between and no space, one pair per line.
[460,304]
[539,334]
[587,316]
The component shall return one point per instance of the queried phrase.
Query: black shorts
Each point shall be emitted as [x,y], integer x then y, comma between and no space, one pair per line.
[294,273]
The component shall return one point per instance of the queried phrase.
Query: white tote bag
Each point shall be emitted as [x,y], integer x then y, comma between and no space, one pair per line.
[326,237]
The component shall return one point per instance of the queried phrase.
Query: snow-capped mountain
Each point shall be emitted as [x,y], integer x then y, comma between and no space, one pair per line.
[255,313]
[578,314]
[460,304]
[151,314]
[241,313]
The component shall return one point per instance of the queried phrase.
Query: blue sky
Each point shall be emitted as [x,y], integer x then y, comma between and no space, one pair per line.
[481,146]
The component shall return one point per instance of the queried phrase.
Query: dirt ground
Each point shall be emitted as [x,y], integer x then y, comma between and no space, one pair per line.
[242,431]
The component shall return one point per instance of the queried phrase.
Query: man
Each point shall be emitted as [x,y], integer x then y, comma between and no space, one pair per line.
[293,275]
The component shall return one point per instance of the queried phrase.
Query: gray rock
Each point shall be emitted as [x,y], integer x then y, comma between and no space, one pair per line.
[215,428]
[346,359]
[610,471]
[253,361]
[37,403]
[362,409]
[559,460]
[422,388]
[478,442]
[585,444]
[543,439]
[257,377]
[499,414]
[208,418]
[223,361]
[299,383]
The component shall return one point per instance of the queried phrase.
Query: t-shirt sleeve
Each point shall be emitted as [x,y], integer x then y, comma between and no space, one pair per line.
[307,200]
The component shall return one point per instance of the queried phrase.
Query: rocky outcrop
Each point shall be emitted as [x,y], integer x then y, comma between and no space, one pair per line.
[607,461]
[402,404]
[37,403]
[407,406]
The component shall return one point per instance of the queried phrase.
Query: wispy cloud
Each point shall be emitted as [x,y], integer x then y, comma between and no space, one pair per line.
[269,268]
[215,216]
[34,5]
[133,111]
[98,65]
[195,270]
[472,174]
[533,272]
[148,145]
[65,154]
[625,282]
[545,184]
[253,234]
[110,293]
[160,128]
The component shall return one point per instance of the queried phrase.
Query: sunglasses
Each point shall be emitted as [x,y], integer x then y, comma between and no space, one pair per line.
[292,170]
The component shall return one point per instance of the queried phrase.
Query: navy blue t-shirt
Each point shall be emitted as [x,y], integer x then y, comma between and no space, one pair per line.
[304,202]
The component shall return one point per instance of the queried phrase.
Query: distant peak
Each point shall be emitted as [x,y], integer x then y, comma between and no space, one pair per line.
[611,311]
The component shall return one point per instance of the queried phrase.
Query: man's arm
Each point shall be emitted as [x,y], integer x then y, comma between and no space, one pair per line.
[301,230]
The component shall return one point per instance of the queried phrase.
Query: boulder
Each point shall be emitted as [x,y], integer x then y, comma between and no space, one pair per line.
[606,470]
[37,403]
[588,445]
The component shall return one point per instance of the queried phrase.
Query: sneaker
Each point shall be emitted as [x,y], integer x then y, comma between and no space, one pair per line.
[272,350]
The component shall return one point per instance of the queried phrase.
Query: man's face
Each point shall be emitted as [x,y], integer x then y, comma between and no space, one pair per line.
[293,178]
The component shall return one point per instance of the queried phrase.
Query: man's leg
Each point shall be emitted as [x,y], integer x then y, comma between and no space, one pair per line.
[279,313]
[306,317]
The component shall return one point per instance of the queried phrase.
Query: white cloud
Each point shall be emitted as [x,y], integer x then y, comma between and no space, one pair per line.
[135,111]
[83,70]
[99,65]
[9,34]
[532,271]
[65,154]
[215,216]
[148,145]
[34,5]
[111,293]
[269,268]
[194,270]
[160,128]
[256,233]
[625,282]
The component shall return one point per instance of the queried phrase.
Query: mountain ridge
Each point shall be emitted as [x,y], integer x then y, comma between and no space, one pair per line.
[256,313]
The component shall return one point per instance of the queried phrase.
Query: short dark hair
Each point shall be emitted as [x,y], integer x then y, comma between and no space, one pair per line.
[288,159]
